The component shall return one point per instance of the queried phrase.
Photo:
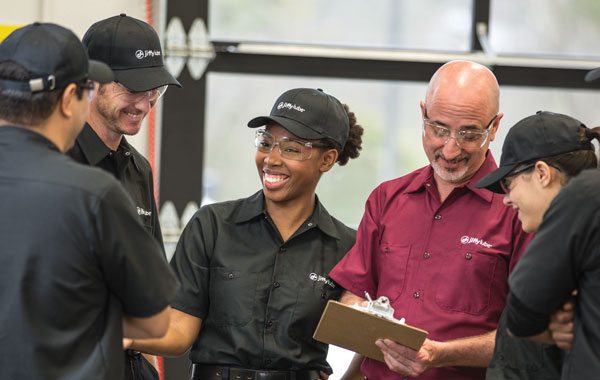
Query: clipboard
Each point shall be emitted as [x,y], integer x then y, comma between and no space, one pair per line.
[356,330]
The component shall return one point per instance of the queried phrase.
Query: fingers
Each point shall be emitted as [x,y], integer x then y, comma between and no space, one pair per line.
[401,359]
[323,375]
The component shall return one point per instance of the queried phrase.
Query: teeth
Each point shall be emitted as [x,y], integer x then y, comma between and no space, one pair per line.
[274,178]
[133,115]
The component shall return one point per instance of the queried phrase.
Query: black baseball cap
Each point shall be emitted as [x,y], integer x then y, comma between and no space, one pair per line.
[132,49]
[544,134]
[592,75]
[309,114]
[54,57]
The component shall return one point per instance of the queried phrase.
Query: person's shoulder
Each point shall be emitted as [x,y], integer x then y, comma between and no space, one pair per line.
[400,184]
[85,178]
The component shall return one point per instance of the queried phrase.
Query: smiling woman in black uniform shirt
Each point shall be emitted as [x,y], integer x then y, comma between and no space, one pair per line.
[254,270]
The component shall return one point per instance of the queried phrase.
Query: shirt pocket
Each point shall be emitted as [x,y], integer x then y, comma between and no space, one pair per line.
[465,282]
[310,304]
[393,266]
[232,295]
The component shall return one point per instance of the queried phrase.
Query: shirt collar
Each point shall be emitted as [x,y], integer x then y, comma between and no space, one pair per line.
[253,207]
[95,150]
[22,134]
[426,177]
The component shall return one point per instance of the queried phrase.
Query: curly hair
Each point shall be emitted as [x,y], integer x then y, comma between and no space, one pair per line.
[354,143]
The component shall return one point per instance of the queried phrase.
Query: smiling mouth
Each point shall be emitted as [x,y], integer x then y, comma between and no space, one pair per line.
[274,178]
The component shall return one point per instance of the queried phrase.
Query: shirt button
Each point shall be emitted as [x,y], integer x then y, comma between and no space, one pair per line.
[386,250]
[128,153]
[416,295]
[437,217]
[276,284]
[281,249]
[230,276]
[310,224]
[324,295]
[269,324]
[426,255]
[428,184]
[468,256]
[405,377]
[267,361]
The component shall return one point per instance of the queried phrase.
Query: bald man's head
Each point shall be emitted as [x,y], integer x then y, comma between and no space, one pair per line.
[464,81]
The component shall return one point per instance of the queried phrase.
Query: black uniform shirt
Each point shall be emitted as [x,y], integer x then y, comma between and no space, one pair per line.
[128,166]
[73,257]
[563,256]
[259,298]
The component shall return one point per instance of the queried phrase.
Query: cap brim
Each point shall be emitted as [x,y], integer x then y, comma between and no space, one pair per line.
[100,72]
[298,129]
[492,180]
[145,78]
[592,75]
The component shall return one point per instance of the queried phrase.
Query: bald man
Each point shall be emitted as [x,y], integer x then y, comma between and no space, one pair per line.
[436,246]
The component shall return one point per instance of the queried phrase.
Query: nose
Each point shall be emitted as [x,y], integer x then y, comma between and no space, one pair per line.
[451,148]
[274,156]
[144,104]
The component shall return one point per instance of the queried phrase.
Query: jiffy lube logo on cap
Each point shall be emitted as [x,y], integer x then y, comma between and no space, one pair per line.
[140,54]
[290,106]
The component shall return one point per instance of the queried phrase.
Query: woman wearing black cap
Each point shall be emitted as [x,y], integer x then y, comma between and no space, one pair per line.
[540,155]
[254,270]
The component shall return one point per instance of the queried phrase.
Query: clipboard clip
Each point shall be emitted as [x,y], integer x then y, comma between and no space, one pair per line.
[381,307]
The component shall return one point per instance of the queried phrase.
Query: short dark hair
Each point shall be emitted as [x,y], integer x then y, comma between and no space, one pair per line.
[25,108]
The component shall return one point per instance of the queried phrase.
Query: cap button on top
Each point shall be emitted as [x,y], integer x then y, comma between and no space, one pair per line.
[123,15]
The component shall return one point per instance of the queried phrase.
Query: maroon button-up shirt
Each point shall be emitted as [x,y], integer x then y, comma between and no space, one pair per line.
[444,266]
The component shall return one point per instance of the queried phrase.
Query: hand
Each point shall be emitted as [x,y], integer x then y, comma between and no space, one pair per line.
[323,375]
[407,361]
[127,343]
[561,326]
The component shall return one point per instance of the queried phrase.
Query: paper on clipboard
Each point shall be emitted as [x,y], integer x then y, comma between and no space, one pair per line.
[357,330]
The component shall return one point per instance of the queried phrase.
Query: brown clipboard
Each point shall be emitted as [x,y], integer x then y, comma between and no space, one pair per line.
[357,330]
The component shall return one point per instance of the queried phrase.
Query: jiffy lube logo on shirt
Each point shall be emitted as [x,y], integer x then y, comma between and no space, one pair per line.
[290,106]
[318,278]
[140,54]
[472,240]
[143,212]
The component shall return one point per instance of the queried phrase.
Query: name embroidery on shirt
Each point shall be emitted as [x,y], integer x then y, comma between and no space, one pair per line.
[471,240]
[143,212]
[318,278]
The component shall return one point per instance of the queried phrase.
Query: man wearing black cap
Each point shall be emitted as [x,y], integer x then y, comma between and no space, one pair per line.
[132,49]
[72,245]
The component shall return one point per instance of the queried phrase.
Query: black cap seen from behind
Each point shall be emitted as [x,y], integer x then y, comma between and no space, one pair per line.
[132,49]
[53,56]
[542,135]
[309,114]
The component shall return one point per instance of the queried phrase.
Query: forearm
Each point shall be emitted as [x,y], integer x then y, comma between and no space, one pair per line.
[150,327]
[474,351]
[353,371]
[183,331]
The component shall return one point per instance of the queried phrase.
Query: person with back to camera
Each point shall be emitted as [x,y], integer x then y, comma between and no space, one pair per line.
[254,270]
[78,270]
[131,48]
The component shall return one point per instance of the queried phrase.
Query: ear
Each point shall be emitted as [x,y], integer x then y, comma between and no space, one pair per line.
[422,104]
[494,127]
[67,101]
[328,159]
[544,174]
